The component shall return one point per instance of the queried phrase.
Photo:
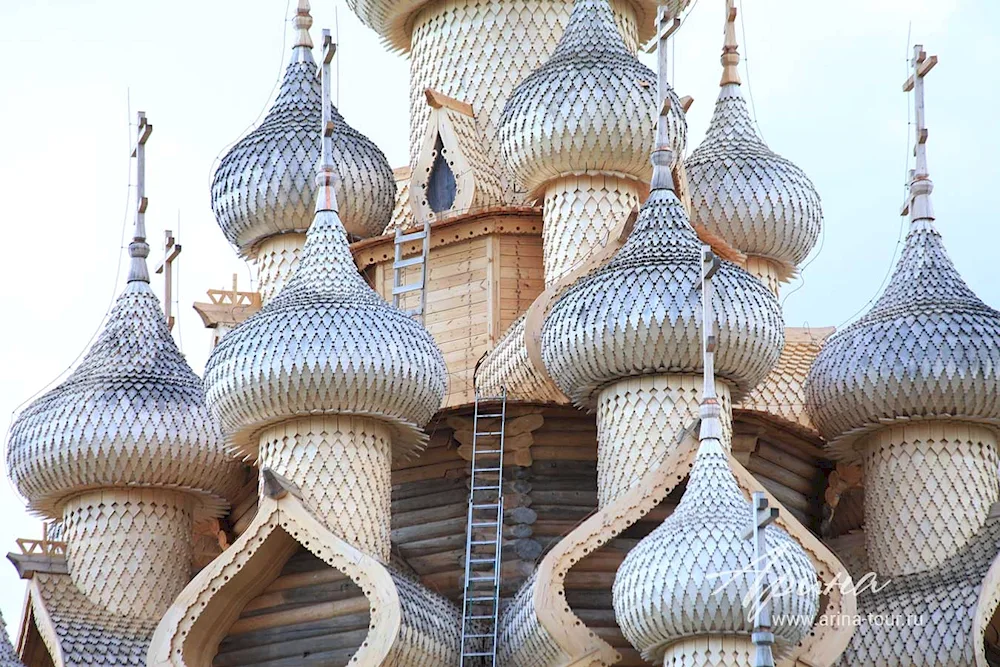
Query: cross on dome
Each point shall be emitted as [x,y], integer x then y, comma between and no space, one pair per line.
[662,154]
[138,249]
[326,196]
[918,204]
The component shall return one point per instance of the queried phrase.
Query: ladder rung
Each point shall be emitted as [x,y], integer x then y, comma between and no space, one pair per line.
[482,560]
[403,263]
[490,578]
[481,542]
[475,655]
[488,451]
[486,470]
[479,618]
[483,507]
[494,415]
[480,600]
[412,236]
[484,523]
[486,488]
[484,434]
[403,289]
[478,636]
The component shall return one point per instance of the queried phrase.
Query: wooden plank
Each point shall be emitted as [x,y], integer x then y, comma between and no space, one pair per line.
[493,328]
[305,614]
[764,469]
[435,471]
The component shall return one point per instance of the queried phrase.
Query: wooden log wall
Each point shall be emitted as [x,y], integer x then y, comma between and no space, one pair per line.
[790,466]
[483,272]
[311,614]
[548,495]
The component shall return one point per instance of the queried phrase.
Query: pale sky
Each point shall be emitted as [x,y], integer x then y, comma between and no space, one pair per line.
[825,77]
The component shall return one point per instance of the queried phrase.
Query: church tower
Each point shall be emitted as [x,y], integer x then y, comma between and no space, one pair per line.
[478,51]
[125,452]
[909,391]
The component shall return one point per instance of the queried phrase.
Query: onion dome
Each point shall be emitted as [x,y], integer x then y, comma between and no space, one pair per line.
[262,186]
[692,574]
[641,312]
[758,201]
[393,19]
[8,656]
[132,414]
[590,107]
[326,344]
[928,348]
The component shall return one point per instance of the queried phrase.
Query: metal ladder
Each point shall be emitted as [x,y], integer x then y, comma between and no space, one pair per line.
[484,536]
[399,266]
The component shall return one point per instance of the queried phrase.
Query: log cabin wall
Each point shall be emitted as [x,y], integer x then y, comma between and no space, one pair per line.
[311,614]
[550,486]
[483,271]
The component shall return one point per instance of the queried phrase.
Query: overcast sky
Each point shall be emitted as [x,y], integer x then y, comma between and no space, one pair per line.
[826,85]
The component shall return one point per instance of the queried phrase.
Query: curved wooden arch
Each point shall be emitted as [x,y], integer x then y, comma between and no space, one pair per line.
[576,645]
[190,632]
[986,607]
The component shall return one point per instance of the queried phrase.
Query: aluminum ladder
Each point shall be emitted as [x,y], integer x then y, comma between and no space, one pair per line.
[484,534]
[399,266]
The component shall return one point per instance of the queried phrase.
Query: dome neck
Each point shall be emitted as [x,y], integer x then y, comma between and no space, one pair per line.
[730,49]
[303,44]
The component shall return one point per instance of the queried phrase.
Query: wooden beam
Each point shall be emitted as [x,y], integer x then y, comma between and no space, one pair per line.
[440,100]
[925,66]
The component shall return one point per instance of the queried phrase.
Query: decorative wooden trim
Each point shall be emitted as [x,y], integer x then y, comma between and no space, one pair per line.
[46,628]
[445,231]
[579,646]
[493,325]
[191,630]
[986,607]
[41,547]
[438,100]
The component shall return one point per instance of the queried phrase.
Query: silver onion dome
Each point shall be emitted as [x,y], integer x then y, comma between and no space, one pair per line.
[758,201]
[263,185]
[133,413]
[326,344]
[590,107]
[929,347]
[641,312]
[694,574]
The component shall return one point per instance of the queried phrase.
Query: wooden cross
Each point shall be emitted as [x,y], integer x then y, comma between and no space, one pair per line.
[922,64]
[138,250]
[329,51]
[710,264]
[762,636]
[171,250]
